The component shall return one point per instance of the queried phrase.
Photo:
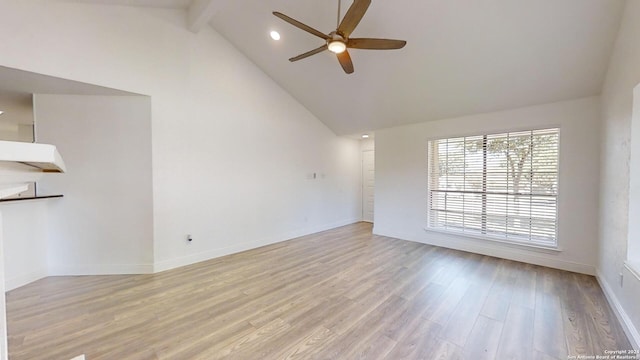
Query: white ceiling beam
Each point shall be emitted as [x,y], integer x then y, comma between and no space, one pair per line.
[200,12]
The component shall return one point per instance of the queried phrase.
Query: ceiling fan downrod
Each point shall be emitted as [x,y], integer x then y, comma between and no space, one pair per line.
[338,22]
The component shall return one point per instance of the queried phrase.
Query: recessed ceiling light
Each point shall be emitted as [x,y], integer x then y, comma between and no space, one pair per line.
[275,35]
[365,136]
[1,112]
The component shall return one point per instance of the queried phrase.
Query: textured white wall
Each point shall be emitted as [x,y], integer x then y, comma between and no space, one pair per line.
[17,117]
[367,144]
[237,176]
[231,151]
[401,180]
[633,237]
[16,124]
[104,223]
[25,228]
[25,241]
[3,305]
[617,104]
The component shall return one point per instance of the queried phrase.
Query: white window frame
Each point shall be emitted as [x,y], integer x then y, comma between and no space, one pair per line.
[500,239]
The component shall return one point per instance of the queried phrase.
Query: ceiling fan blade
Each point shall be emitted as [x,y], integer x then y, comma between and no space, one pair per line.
[300,25]
[353,17]
[309,53]
[345,61]
[375,44]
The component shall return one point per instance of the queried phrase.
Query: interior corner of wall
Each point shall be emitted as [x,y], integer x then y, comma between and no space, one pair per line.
[619,310]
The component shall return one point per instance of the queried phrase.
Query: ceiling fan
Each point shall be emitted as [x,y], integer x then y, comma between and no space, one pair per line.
[338,41]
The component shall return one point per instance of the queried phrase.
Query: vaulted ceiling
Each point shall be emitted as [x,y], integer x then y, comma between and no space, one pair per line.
[462,57]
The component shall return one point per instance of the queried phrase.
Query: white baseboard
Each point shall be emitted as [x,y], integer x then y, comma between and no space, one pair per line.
[169,264]
[173,263]
[630,330]
[100,269]
[534,257]
[126,269]
[24,279]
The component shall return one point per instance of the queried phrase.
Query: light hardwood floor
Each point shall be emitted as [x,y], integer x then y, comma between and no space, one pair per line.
[339,294]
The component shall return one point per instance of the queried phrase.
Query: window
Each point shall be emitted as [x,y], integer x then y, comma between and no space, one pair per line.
[498,186]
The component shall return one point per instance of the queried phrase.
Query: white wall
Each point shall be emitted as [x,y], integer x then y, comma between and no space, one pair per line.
[25,241]
[367,144]
[244,163]
[25,222]
[401,180]
[3,306]
[231,150]
[15,123]
[633,236]
[617,104]
[104,223]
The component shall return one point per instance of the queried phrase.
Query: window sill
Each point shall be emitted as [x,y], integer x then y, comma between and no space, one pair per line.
[513,244]
[633,267]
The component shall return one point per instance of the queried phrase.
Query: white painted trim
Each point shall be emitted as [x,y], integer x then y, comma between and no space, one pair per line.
[627,325]
[169,264]
[24,279]
[495,239]
[200,12]
[100,269]
[633,268]
[504,252]
[128,269]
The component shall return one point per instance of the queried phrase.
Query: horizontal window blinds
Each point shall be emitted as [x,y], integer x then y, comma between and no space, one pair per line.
[498,185]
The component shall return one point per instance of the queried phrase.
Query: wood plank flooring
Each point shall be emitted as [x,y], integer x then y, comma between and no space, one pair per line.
[339,294]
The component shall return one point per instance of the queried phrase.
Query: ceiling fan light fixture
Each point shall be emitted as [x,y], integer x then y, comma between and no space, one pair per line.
[339,40]
[337,46]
